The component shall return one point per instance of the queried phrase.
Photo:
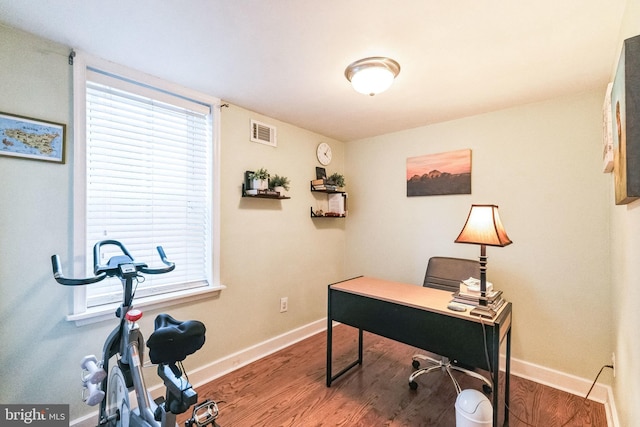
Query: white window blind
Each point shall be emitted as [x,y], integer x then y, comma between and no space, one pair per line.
[148,155]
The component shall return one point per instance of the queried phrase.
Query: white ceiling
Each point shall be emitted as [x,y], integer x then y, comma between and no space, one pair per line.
[286,58]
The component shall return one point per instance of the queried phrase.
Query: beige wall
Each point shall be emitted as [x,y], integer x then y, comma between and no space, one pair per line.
[541,164]
[625,270]
[269,248]
[35,209]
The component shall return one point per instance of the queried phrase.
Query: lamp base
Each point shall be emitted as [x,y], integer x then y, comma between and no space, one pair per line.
[483,311]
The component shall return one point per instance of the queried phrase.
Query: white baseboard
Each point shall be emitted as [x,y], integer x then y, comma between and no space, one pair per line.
[244,357]
[566,382]
[540,374]
[89,420]
[220,367]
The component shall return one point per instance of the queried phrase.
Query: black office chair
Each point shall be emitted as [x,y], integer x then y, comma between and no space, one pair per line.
[446,274]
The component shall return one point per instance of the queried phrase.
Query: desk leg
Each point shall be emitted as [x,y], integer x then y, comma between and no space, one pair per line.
[329,349]
[507,379]
[331,378]
[495,376]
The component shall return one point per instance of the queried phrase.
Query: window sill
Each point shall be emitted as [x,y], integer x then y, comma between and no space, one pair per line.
[106,312]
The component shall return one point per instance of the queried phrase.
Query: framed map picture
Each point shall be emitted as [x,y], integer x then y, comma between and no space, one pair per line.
[31,138]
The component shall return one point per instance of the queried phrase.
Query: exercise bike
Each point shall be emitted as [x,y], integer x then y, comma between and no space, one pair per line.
[170,343]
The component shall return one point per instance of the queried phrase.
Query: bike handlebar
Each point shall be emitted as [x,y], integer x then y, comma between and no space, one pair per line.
[99,268]
[170,266]
[57,274]
[112,268]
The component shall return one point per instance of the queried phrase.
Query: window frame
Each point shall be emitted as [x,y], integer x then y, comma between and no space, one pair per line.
[80,313]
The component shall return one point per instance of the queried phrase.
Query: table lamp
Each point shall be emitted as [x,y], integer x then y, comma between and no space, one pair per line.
[483,227]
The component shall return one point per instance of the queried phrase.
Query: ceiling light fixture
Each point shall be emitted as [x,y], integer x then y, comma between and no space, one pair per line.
[371,76]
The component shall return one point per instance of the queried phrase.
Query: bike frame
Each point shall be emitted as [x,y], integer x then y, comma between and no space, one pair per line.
[126,344]
[126,340]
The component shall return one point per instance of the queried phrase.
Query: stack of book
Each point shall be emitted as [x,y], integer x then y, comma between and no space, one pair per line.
[471,296]
[323,185]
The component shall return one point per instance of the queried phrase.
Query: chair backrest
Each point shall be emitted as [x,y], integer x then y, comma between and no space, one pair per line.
[447,273]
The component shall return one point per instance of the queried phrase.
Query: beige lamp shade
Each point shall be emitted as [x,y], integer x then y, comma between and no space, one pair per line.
[483,227]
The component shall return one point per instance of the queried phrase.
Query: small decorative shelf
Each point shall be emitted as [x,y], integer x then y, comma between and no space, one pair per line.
[327,215]
[267,194]
[262,194]
[329,192]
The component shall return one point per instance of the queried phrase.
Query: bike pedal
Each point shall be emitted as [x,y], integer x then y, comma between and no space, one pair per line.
[205,413]
[159,401]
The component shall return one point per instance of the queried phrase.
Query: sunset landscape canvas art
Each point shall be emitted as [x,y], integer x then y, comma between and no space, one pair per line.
[439,174]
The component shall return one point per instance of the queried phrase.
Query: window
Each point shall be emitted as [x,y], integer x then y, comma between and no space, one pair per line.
[144,175]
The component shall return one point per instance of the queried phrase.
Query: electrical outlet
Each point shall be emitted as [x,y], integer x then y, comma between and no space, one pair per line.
[284,304]
[613,363]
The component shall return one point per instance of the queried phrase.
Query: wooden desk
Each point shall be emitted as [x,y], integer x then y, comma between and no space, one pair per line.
[419,317]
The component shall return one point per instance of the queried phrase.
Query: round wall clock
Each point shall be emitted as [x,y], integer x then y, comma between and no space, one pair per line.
[324,153]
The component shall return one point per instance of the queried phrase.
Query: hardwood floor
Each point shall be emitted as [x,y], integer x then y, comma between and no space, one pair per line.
[288,388]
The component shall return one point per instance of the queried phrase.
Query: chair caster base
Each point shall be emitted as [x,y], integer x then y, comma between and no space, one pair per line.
[413,385]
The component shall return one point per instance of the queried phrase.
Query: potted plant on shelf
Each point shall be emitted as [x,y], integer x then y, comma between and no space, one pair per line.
[337,180]
[259,179]
[279,184]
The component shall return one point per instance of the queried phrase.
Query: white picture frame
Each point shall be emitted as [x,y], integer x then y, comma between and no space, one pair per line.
[607,132]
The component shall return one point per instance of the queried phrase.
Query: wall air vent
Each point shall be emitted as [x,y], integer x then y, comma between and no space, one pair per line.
[263,134]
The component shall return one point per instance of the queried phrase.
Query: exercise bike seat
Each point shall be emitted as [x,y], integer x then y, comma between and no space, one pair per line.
[172,340]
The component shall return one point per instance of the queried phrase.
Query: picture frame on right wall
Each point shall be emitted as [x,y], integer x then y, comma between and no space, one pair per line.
[625,114]
[607,132]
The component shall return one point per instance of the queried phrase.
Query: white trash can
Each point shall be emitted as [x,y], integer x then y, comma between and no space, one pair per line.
[473,409]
